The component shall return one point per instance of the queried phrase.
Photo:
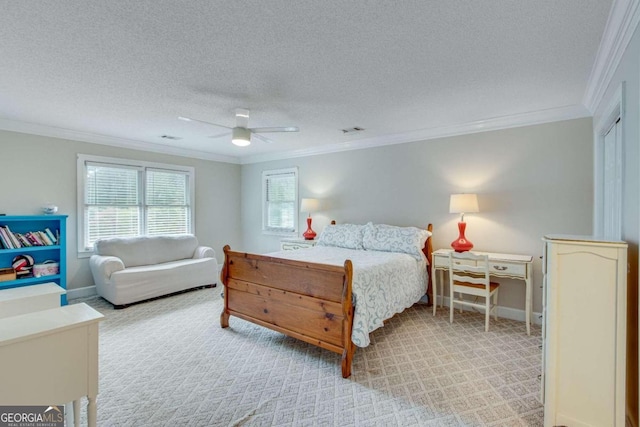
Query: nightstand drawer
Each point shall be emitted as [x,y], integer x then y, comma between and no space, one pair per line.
[294,244]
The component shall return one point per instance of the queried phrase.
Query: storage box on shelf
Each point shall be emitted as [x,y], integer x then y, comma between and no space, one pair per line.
[23,224]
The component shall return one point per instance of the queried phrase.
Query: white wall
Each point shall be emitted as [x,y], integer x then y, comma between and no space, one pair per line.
[530,181]
[35,170]
[628,71]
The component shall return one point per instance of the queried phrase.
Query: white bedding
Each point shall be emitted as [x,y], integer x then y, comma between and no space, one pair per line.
[384,283]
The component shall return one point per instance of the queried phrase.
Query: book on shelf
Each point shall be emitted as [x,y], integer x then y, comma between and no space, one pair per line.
[14,241]
[45,238]
[23,240]
[4,238]
[53,238]
[34,239]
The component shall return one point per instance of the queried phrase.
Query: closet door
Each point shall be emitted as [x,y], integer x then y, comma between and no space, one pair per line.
[612,182]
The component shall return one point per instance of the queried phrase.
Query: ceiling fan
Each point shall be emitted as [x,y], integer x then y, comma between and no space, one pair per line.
[241,133]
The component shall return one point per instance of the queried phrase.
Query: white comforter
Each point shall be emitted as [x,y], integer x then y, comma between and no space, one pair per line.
[384,283]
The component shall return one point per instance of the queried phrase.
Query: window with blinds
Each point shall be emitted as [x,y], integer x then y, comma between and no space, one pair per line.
[167,207]
[112,207]
[132,199]
[280,201]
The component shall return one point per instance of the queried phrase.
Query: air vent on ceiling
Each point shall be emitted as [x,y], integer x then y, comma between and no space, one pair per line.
[171,137]
[352,130]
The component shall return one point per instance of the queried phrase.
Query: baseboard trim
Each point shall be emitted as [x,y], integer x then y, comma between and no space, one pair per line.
[505,312]
[85,292]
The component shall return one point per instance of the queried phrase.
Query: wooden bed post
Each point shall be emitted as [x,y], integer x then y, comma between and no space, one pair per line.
[347,322]
[429,254]
[224,276]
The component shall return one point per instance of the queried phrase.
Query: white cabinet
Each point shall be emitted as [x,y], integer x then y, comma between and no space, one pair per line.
[50,357]
[584,331]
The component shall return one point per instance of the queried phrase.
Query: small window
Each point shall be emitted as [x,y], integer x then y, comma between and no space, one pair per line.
[125,198]
[280,201]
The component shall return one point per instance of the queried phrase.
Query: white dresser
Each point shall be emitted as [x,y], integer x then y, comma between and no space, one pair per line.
[584,331]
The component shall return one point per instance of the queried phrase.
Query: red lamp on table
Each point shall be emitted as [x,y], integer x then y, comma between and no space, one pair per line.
[309,205]
[462,203]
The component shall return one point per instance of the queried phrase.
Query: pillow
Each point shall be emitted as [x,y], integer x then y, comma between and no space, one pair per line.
[347,236]
[389,238]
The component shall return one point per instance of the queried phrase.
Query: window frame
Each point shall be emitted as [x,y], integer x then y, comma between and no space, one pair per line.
[265,211]
[141,166]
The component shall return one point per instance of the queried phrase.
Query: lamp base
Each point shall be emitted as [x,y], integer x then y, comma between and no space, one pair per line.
[309,234]
[461,244]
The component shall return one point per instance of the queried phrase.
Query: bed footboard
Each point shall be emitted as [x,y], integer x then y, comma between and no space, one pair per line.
[308,301]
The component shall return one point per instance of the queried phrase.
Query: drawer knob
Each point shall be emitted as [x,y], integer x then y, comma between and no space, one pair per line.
[500,267]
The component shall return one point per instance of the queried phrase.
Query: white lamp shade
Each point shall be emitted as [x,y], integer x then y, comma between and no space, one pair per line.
[241,136]
[463,203]
[309,205]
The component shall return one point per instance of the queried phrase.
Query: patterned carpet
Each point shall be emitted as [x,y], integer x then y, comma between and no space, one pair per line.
[168,363]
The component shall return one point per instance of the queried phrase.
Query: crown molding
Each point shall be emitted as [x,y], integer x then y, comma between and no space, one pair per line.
[74,135]
[497,123]
[621,24]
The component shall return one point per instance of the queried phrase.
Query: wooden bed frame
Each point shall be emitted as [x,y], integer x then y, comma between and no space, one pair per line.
[308,301]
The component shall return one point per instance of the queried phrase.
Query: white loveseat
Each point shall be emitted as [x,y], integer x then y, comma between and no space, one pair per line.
[128,270]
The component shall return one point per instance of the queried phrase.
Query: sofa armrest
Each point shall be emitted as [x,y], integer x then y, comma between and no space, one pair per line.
[102,267]
[204,252]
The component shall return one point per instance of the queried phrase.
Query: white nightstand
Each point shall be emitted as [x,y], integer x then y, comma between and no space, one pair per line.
[291,244]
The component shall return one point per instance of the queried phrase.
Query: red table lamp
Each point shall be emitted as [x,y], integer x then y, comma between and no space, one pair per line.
[309,205]
[462,203]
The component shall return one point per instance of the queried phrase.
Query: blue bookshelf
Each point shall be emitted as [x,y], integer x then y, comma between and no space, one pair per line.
[58,253]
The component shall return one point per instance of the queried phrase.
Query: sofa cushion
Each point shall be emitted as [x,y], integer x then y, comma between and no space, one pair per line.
[144,282]
[148,250]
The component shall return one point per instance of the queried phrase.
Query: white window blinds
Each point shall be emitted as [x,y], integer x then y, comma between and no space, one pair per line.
[167,202]
[280,196]
[112,207]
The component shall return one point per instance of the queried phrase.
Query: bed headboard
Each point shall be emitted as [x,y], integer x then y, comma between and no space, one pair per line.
[428,252]
[428,247]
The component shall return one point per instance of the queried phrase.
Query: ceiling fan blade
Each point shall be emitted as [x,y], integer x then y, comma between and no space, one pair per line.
[220,135]
[262,138]
[276,129]
[187,119]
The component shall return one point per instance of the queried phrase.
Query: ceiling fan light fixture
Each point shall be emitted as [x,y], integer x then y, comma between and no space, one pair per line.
[241,136]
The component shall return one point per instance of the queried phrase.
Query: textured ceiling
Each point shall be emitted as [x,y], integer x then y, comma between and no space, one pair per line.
[128,69]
